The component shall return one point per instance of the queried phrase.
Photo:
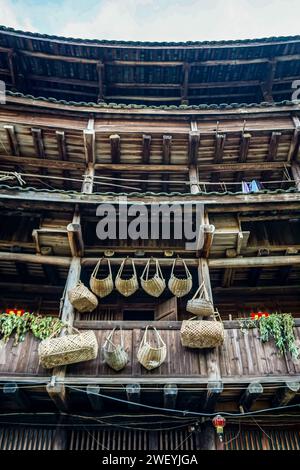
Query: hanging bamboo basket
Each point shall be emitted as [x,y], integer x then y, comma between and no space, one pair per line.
[68,349]
[149,356]
[156,284]
[82,298]
[201,304]
[180,287]
[202,334]
[127,287]
[102,287]
[114,354]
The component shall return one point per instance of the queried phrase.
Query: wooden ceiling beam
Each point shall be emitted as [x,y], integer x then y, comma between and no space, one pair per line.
[89,145]
[267,85]
[115,149]
[166,159]
[100,70]
[39,147]
[185,84]
[194,142]
[12,140]
[219,151]
[146,149]
[62,150]
[243,153]
[36,162]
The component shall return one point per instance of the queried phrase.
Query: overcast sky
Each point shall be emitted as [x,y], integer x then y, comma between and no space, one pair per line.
[154,20]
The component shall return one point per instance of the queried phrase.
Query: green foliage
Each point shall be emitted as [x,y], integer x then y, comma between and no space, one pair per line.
[277,326]
[41,327]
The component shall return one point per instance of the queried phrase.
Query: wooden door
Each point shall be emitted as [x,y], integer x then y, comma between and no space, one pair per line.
[167,310]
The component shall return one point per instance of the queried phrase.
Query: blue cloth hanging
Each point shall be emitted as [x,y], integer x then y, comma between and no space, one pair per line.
[245,187]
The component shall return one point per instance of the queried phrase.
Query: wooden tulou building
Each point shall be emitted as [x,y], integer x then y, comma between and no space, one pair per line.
[90,122]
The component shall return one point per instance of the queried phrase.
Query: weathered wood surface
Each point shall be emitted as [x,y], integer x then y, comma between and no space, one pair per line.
[241,356]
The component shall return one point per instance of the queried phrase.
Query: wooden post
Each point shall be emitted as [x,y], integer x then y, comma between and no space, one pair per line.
[209,231]
[170,396]
[194,180]
[55,389]
[254,390]
[88,183]
[95,400]
[133,392]
[296,174]
[286,394]
[213,392]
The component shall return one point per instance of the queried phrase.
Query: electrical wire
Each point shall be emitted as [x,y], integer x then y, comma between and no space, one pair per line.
[184,412]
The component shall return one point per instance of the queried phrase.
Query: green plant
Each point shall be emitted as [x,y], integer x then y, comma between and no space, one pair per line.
[41,327]
[279,326]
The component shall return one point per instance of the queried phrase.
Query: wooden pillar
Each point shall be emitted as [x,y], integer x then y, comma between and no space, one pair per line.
[251,394]
[75,235]
[133,392]
[194,180]
[213,392]
[56,388]
[286,394]
[88,183]
[170,396]
[296,174]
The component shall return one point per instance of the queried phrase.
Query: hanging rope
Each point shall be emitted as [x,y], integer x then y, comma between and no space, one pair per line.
[11,175]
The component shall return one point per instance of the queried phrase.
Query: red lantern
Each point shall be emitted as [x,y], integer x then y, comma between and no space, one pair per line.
[219,424]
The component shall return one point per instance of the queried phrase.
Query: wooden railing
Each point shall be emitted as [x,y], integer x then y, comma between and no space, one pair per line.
[242,358]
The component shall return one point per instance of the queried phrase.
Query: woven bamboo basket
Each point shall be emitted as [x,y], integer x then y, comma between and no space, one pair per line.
[200,304]
[127,287]
[202,334]
[68,349]
[114,354]
[156,284]
[102,287]
[180,287]
[149,356]
[82,298]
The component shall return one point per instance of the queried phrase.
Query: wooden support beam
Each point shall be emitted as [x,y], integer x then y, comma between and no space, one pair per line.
[263,261]
[251,394]
[219,151]
[88,183]
[286,394]
[56,389]
[272,153]
[133,393]
[62,150]
[170,396]
[194,142]
[100,71]
[36,259]
[95,400]
[185,84]
[213,392]
[295,142]
[11,63]
[75,235]
[146,148]
[89,145]
[296,174]
[267,85]
[194,180]
[115,149]
[35,162]
[14,393]
[12,140]
[38,143]
[243,153]
[166,159]
[209,231]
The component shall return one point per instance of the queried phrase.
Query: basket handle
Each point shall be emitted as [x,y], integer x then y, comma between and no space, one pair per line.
[122,267]
[187,272]
[146,271]
[204,293]
[109,338]
[159,338]
[96,269]
[158,269]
